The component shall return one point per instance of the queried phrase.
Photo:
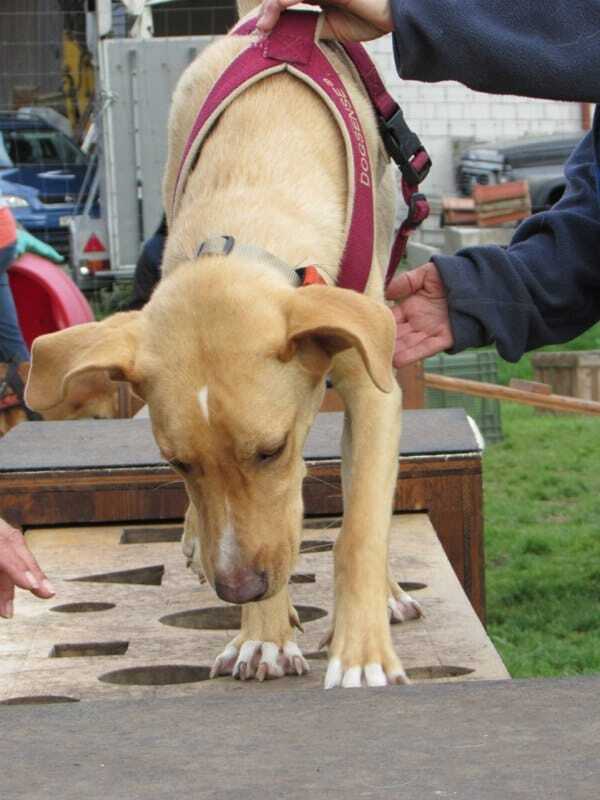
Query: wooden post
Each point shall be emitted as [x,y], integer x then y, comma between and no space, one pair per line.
[412,381]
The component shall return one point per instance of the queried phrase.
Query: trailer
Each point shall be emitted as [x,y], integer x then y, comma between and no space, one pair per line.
[138,63]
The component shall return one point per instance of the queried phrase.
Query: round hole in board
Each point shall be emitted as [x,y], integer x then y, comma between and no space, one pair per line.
[436,672]
[222,618]
[82,608]
[157,675]
[315,546]
[414,673]
[38,699]
[411,586]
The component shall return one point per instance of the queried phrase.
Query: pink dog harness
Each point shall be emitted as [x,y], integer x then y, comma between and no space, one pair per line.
[293,47]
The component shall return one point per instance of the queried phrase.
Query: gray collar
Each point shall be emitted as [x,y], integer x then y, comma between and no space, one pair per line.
[224,245]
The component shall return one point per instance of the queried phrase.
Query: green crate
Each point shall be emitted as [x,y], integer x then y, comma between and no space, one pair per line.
[476,366]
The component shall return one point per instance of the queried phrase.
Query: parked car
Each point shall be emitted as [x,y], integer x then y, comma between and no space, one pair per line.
[539,161]
[42,172]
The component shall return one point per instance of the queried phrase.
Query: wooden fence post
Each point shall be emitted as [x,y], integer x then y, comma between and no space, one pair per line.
[412,381]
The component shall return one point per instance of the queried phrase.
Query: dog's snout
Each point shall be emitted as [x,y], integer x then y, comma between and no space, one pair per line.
[241,586]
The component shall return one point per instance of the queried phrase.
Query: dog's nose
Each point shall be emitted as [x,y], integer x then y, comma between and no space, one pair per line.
[241,586]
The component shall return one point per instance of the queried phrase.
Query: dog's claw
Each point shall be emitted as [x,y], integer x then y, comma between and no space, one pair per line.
[355,677]
[225,662]
[216,668]
[293,660]
[261,660]
[399,678]
[300,665]
[404,608]
[295,619]
[333,676]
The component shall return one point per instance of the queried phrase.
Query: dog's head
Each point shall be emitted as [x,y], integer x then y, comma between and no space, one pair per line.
[232,368]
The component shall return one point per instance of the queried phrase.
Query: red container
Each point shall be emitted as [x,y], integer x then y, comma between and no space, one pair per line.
[47,299]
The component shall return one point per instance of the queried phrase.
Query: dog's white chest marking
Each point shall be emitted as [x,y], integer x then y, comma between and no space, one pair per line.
[228,546]
[203,402]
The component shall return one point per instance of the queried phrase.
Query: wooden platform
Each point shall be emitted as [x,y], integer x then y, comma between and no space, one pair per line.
[123,592]
[62,473]
[488,740]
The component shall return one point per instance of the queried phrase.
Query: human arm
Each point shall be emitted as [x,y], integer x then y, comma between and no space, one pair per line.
[532,49]
[18,568]
[542,289]
[535,49]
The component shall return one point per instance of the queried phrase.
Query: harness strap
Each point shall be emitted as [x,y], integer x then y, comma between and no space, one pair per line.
[402,145]
[293,47]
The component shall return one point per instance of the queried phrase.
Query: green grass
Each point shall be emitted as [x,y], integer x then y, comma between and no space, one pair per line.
[542,521]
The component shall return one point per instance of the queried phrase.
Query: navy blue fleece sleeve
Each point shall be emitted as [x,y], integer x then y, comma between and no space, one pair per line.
[545,287]
[537,48]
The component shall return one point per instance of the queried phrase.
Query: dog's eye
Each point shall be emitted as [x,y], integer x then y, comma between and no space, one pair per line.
[272,453]
[180,466]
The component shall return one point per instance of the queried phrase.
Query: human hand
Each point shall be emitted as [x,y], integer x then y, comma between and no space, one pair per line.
[422,320]
[345,20]
[18,568]
[26,243]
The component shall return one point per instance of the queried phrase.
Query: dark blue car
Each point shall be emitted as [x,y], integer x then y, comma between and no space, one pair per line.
[42,173]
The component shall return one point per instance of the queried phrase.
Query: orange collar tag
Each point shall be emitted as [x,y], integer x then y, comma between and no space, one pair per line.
[309,276]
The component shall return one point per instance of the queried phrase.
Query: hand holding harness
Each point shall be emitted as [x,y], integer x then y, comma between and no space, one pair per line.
[294,47]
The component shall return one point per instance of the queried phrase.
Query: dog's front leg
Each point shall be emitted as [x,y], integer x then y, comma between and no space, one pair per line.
[265,647]
[361,648]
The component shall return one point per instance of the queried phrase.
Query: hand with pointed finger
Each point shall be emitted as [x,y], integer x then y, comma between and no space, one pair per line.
[345,20]
[18,568]
[421,314]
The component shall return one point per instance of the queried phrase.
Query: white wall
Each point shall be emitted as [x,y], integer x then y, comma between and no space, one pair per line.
[444,113]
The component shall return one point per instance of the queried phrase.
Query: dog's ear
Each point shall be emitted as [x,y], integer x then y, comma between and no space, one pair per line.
[58,358]
[337,319]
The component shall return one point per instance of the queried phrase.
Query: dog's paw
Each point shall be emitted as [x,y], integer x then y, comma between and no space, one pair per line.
[363,658]
[260,660]
[403,608]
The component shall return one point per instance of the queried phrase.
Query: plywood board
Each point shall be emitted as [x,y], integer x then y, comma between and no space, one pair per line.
[133,580]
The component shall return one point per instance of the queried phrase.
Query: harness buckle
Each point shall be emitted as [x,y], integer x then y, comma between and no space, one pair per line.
[418,209]
[405,148]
